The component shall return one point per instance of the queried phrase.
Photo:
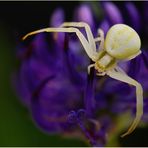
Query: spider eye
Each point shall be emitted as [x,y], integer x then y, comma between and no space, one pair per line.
[122,42]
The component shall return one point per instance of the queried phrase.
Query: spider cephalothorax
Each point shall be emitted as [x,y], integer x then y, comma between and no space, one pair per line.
[121,43]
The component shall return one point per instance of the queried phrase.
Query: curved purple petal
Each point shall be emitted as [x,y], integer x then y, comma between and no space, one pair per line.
[105,25]
[112,13]
[133,16]
[84,14]
[57,18]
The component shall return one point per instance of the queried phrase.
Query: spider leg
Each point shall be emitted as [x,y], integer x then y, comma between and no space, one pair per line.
[89,67]
[87,29]
[119,75]
[90,37]
[117,68]
[101,74]
[100,39]
[92,55]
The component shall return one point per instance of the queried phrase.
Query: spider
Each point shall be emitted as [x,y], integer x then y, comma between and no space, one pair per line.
[121,43]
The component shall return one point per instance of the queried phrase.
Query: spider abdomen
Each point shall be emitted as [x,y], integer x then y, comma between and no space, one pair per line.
[122,42]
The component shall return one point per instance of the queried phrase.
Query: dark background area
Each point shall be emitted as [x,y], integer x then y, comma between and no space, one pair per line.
[23,16]
[16,126]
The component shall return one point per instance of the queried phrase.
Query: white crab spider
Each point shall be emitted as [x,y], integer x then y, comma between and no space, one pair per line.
[121,43]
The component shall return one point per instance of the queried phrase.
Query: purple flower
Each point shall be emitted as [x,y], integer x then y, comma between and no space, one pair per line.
[46,80]
[53,83]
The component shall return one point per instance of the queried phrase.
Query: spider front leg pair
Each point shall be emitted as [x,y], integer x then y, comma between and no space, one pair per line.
[88,44]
